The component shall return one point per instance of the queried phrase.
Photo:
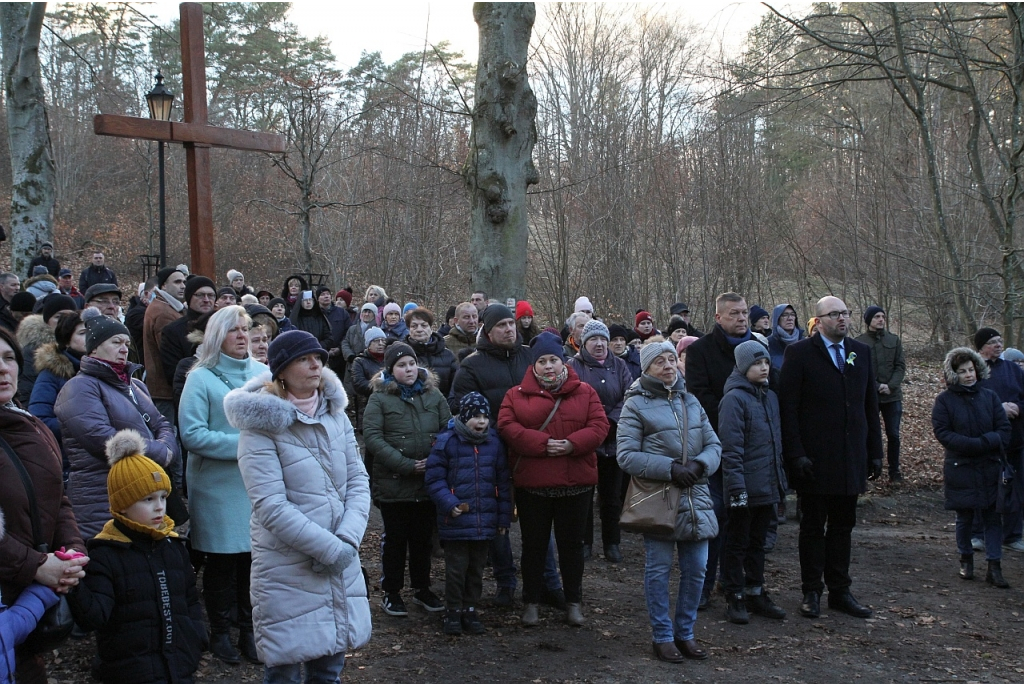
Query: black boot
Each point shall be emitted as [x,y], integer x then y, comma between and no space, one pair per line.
[967,566]
[218,610]
[995,574]
[736,608]
[762,605]
[247,646]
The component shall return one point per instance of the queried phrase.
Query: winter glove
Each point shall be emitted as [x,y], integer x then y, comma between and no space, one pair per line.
[803,469]
[686,475]
[875,469]
[738,500]
[347,556]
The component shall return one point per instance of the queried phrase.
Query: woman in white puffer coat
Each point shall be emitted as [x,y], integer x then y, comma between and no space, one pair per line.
[310,504]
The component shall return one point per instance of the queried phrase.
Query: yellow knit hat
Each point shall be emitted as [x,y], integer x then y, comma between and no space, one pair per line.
[132,475]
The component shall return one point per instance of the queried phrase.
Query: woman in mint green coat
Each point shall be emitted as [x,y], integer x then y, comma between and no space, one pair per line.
[218,502]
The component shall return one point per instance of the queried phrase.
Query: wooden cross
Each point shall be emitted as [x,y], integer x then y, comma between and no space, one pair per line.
[197,136]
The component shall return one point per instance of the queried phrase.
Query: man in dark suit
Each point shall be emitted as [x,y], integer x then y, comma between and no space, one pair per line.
[832,443]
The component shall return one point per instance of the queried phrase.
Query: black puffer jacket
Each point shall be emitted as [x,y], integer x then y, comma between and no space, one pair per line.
[364,368]
[750,428]
[130,580]
[971,424]
[490,371]
[436,356]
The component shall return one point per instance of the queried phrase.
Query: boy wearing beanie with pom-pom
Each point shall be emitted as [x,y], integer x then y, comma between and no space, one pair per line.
[140,591]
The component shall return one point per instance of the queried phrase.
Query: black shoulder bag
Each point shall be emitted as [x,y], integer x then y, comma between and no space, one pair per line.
[176,508]
[56,623]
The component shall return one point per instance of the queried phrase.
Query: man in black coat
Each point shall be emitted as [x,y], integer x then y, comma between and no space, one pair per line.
[45,258]
[96,273]
[832,442]
[709,361]
[200,294]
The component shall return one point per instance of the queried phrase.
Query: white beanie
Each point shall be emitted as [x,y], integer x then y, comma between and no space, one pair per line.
[233,274]
[583,304]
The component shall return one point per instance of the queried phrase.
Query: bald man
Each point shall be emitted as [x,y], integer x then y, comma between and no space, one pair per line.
[832,443]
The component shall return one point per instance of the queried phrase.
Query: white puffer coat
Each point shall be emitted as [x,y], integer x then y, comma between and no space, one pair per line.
[309,491]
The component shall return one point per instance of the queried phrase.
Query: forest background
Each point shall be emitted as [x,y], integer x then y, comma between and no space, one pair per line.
[873,151]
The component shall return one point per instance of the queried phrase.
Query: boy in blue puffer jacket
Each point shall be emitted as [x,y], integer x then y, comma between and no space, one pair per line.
[19,620]
[467,477]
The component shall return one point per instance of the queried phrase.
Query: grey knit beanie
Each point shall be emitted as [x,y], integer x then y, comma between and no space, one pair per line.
[595,327]
[749,352]
[649,352]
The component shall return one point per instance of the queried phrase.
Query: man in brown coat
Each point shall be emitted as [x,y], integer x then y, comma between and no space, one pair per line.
[167,306]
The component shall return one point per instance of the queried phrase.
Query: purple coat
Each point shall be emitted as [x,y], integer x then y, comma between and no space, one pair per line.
[91,407]
[611,380]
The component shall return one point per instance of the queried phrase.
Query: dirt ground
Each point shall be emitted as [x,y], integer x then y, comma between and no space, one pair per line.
[929,625]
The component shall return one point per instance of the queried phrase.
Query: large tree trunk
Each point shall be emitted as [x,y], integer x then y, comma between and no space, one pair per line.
[500,164]
[32,170]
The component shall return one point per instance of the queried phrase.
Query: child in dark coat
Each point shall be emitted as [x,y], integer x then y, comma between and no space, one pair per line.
[19,620]
[750,429]
[139,591]
[467,477]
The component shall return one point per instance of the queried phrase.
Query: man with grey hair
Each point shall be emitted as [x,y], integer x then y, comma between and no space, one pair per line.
[832,442]
[10,284]
[463,334]
[574,341]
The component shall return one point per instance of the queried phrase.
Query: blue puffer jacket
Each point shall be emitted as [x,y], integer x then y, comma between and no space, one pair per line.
[55,369]
[1006,380]
[750,428]
[461,473]
[18,621]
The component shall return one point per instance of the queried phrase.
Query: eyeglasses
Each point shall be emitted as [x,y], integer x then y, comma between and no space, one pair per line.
[845,314]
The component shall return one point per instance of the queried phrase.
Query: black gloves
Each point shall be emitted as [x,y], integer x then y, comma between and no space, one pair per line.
[874,469]
[802,469]
[686,475]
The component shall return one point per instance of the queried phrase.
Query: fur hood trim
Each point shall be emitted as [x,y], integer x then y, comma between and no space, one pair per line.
[377,383]
[34,332]
[251,407]
[980,365]
[49,358]
[123,444]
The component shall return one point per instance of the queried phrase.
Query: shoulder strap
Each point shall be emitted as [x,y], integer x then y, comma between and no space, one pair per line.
[30,491]
[558,401]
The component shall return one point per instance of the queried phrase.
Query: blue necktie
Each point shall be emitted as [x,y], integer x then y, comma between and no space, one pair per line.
[839,357]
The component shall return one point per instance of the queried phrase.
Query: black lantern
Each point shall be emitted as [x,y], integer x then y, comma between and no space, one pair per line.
[160,100]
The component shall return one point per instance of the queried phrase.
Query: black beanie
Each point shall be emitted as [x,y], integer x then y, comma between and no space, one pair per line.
[870,312]
[195,283]
[495,313]
[57,303]
[99,328]
[23,302]
[983,336]
[395,352]
[163,274]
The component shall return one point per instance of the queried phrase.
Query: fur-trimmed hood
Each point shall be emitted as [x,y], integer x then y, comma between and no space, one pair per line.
[377,383]
[60,364]
[33,332]
[252,407]
[950,373]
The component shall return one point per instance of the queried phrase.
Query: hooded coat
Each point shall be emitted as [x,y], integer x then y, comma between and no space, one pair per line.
[435,356]
[750,429]
[579,418]
[399,431]
[55,369]
[33,333]
[459,472]
[91,408]
[776,343]
[970,423]
[139,595]
[309,492]
[650,439]
[314,322]
[286,296]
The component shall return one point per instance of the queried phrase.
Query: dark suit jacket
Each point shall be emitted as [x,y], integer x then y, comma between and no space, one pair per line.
[709,361]
[829,417]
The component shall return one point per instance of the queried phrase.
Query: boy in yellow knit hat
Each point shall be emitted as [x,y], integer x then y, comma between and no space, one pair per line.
[139,593]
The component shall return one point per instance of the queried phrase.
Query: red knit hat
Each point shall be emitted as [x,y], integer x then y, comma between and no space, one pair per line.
[523,308]
[345,295]
[642,316]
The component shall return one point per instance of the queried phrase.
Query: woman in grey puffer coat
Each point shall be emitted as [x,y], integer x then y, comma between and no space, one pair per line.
[310,505]
[656,413]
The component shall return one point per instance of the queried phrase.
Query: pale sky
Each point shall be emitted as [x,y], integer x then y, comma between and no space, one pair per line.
[395,28]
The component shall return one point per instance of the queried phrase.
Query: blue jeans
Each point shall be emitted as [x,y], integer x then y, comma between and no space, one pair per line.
[502,562]
[693,558]
[993,527]
[326,669]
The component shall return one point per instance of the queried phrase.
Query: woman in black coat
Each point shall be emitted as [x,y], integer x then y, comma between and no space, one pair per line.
[971,424]
[430,348]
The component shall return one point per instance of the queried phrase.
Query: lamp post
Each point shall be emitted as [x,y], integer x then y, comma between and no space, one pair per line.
[160,101]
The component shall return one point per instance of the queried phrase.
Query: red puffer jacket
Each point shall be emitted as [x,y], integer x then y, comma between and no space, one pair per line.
[580,419]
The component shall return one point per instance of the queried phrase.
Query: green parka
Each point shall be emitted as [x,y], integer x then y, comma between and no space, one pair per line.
[887,357]
[398,432]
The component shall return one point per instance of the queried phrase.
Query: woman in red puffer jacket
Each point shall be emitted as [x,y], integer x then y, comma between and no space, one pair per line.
[554,468]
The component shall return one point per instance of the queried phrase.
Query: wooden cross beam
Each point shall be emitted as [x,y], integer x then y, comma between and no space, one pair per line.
[196,135]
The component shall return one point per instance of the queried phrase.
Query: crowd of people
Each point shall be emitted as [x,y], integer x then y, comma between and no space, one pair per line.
[242,435]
